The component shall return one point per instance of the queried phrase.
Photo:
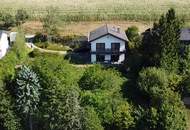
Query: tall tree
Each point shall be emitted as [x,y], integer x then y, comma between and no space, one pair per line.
[50,22]
[170,27]
[21,16]
[20,47]
[160,45]
[27,93]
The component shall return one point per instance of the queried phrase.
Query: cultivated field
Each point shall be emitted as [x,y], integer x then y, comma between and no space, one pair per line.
[81,10]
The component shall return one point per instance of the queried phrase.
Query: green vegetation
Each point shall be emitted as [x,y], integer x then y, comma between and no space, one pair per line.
[27,93]
[82,10]
[8,118]
[50,22]
[52,94]
[53,46]
[21,16]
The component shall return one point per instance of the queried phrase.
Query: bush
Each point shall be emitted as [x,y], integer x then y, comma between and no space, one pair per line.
[146,119]
[59,108]
[19,46]
[91,120]
[97,78]
[102,103]
[8,118]
[39,37]
[153,81]
[172,117]
[122,117]
[133,34]
[21,16]
[8,20]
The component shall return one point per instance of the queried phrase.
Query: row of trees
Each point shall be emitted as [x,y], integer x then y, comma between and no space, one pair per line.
[160,68]
[9,20]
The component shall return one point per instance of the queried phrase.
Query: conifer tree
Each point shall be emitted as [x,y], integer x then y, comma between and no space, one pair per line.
[169,39]
[27,93]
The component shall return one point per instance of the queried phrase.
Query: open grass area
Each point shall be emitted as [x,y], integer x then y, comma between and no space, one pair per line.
[82,10]
[53,46]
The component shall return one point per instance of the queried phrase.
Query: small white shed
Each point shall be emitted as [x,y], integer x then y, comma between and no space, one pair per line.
[4,43]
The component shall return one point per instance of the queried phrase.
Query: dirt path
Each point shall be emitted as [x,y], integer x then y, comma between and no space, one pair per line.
[30,45]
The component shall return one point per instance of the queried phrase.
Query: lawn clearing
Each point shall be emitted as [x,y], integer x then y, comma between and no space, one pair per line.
[53,46]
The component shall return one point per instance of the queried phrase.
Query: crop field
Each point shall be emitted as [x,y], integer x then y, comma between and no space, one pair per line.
[91,10]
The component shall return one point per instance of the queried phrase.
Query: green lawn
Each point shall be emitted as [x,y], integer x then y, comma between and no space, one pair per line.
[53,46]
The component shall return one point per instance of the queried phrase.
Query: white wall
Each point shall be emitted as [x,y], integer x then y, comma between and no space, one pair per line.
[93,58]
[108,39]
[4,45]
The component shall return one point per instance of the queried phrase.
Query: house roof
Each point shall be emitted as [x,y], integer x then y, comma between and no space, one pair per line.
[113,30]
[185,34]
[2,31]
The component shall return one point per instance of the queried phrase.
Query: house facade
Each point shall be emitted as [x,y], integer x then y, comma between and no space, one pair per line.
[185,35]
[4,44]
[108,45]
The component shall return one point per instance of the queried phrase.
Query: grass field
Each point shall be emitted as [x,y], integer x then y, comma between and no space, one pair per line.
[82,28]
[82,10]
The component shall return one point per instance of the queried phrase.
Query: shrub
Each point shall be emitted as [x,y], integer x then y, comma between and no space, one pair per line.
[98,78]
[132,33]
[153,82]
[122,116]
[172,117]
[21,16]
[19,46]
[146,119]
[8,20]
[91,120]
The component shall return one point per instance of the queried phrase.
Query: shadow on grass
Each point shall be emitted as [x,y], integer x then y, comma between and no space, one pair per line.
[78,57]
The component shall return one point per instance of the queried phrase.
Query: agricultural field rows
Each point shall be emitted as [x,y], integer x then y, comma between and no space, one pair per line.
[90,10]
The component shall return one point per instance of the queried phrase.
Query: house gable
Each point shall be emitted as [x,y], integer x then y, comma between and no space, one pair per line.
[108,40]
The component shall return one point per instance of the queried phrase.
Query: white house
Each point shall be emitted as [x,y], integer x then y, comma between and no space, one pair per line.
[108,44]
[4,43]
[185,35]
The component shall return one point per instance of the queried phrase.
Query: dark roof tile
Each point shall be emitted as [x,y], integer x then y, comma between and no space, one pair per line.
[107,29]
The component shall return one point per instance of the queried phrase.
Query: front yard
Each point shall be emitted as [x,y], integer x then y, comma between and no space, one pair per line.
[53,46]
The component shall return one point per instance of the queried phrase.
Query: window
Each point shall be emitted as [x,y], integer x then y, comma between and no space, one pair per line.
[100,47]
[114,58]
[115,47]
[100,58]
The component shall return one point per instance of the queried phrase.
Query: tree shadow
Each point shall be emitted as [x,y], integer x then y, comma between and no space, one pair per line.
[130,90]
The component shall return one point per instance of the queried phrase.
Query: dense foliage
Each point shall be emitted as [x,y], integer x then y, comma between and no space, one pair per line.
[27,93]
[143,95]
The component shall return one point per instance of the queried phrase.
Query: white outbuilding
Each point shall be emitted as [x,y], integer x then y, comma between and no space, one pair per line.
[4,43]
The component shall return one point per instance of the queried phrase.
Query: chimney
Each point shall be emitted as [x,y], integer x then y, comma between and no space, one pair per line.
[118,30]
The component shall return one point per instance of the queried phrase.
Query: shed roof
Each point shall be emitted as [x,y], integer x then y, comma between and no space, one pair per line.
[185,34]
[113,30]
[3,31]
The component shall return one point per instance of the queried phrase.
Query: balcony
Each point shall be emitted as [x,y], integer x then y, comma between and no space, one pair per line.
[108,51]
